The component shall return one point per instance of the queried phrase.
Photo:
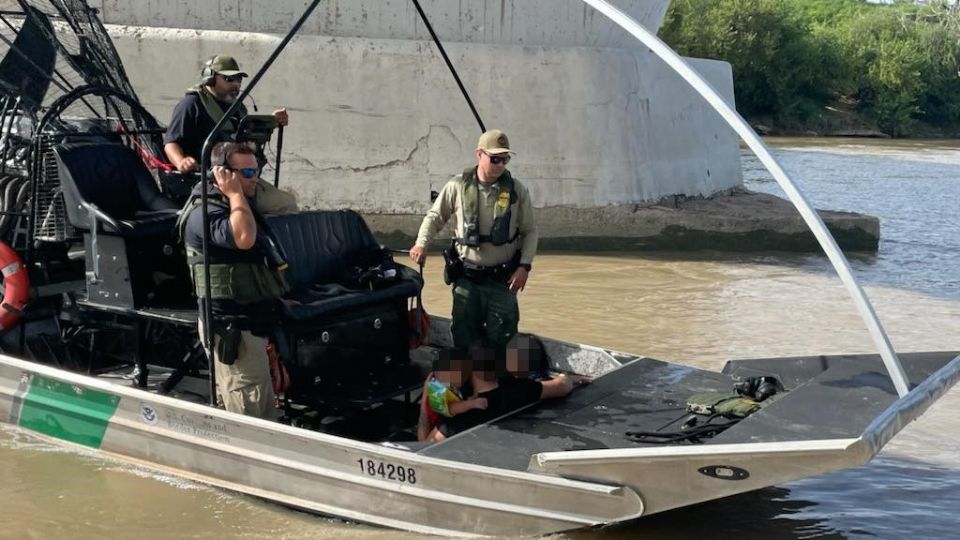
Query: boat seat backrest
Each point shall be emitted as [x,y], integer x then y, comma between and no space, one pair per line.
[319,243]
[111,176]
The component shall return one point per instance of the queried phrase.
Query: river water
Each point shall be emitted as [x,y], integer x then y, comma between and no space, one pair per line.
[698,309]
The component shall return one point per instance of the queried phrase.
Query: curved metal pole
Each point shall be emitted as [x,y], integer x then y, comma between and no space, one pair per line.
[826,240]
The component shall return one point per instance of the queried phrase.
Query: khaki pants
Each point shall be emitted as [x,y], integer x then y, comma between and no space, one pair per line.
[245,386]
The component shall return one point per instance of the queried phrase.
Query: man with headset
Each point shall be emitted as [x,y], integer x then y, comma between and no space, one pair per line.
[197,114]
[246,277]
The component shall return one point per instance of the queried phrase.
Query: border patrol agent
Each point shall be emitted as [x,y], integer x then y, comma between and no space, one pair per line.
[198,112]
[494,245]
[246,280]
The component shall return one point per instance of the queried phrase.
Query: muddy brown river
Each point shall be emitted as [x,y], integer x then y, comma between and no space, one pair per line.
[698,309]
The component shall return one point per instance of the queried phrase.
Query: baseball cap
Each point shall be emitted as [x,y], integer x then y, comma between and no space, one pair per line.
[226,66]
[494,141]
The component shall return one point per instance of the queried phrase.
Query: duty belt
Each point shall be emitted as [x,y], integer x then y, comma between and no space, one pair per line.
[500,272]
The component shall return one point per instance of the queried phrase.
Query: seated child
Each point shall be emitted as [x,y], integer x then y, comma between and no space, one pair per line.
[442,393]
[506,384]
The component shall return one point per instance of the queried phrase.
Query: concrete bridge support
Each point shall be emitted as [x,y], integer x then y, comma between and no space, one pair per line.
[604,132]
[378,122]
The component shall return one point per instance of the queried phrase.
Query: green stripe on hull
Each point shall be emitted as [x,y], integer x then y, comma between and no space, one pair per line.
[67,412]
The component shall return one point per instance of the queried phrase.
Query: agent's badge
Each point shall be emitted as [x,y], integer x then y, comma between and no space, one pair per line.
[504,200]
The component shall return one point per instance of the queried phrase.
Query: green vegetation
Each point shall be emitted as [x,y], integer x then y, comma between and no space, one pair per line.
[802,63]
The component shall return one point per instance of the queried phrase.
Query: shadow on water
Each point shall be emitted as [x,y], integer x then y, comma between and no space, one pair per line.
[891,498]
[765,514]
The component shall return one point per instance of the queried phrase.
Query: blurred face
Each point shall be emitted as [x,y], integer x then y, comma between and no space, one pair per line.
[243,165]
[491,166]
[455,373]
[226,89]
[450,377]
[484,363]
[518,362]
[522,358]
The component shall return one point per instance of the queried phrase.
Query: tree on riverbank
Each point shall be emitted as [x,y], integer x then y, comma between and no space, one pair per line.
[795,61]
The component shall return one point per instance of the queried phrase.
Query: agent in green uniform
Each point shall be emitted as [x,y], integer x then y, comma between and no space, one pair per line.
[495,239]
[198,112]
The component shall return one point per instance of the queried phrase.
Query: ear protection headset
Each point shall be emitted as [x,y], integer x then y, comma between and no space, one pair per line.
[223,161]
[207,74]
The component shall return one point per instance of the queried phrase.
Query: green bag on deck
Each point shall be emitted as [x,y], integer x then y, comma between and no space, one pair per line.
[722,404]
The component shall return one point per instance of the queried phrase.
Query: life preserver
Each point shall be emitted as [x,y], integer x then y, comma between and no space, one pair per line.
[16,287]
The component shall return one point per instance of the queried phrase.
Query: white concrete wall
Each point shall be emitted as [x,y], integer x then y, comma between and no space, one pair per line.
[377,121]
[518,22]
[377,124]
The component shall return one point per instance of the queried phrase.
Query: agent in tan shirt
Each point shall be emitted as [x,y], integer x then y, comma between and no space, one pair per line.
[496,240]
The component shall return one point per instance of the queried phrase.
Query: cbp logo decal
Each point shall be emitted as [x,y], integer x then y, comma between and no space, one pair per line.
[148,414]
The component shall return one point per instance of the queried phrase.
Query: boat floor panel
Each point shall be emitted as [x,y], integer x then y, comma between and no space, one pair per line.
[650,395]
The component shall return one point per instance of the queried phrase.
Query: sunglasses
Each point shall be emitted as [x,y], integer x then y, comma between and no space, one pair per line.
[246,172]
[497,160]
[233,78]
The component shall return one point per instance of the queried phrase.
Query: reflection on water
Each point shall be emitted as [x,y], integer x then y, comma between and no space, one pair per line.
[698,309]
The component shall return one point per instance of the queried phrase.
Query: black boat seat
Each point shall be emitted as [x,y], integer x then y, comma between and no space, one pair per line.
[321,300]
[112,178]
[346,347]
[146,223]
[131,259]
[319,245]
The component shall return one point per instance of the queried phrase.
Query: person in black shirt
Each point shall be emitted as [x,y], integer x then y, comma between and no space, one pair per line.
[197,114]
[201,108]
[246,276]
[504,394]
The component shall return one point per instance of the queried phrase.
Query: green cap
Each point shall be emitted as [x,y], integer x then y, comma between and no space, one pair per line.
[494,142]
[225,65]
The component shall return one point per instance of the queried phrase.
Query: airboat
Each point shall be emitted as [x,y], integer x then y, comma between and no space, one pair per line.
[100,349]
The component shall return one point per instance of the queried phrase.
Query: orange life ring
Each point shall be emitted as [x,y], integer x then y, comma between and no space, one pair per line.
[16,287]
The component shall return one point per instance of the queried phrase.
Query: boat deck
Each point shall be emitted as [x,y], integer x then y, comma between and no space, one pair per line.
[857,388]
[651,395]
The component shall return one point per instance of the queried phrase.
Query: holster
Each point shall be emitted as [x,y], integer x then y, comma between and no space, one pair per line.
[452,264]
[228,348]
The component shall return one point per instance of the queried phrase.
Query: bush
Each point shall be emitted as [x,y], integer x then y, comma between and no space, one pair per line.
[779,67]
[790,57]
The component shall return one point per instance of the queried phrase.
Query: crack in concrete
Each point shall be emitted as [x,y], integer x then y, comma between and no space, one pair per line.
[421,143]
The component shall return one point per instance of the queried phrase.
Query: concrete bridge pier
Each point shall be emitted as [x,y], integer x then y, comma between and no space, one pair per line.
[602,129]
